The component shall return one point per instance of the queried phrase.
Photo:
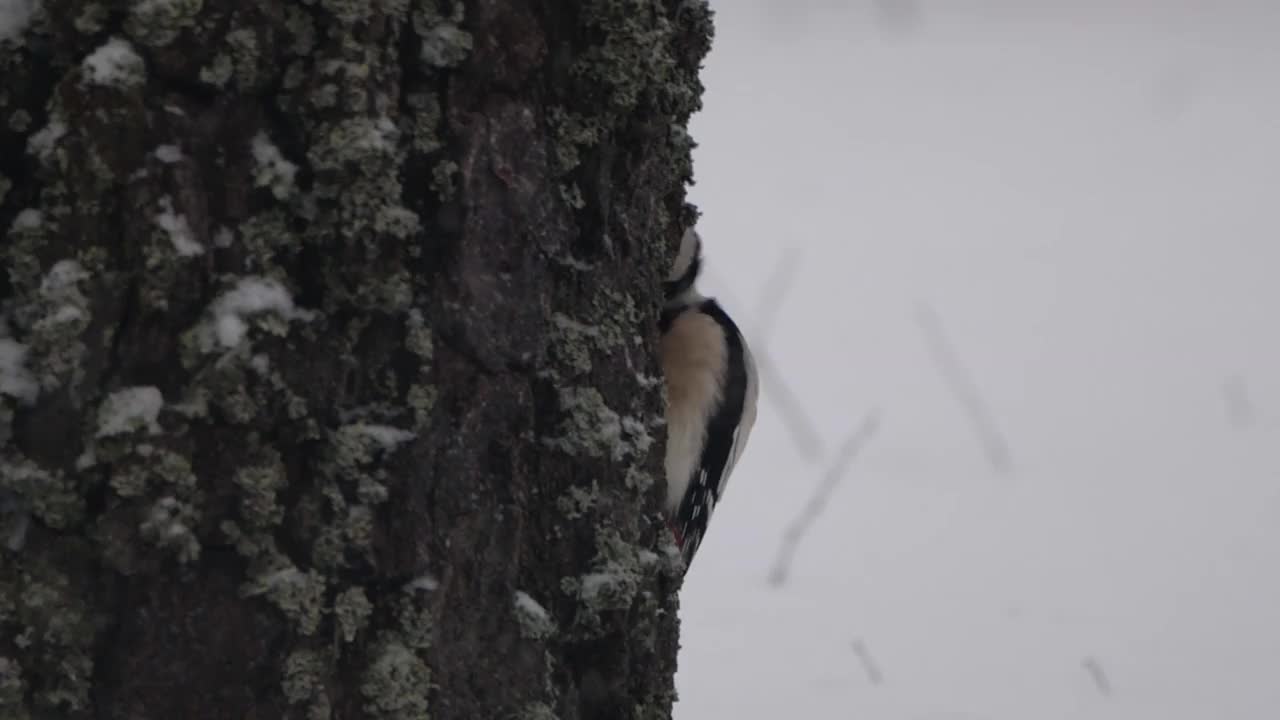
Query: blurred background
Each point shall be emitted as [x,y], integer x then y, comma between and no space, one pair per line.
[1011,268]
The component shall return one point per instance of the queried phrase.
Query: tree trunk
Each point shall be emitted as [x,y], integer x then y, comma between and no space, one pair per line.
[327,384]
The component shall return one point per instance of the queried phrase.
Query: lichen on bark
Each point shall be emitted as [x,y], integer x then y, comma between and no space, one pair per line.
[313,317]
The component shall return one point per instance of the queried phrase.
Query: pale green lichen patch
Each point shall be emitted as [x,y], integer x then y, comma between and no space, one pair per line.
[250,544]
[572,343]
[305,671]
[162,503]
[397,221]
[352,609]
[396,684]
[169,526]
[53,497]
[56,318]
[634,58]
[573,133]
[444,176]
[360,443]
[139,469]
[246,58]
[229,394]
[444,43]
[92,18]
[263,237]
[352,461]
[357,191]
[638,479]
[299,595]
[394,291]
[365,143]
[301,28]
[414,624]
[610,590]
[619,572]
[259,484]
[27,234]
[418,336]
[129,410]
[591,428]
[348,12]
[641,64]
[422,400]
[159,22]
[54,634]
[325,96]
[422,126]
[618,316]
[219,71]
[244,61]
[605,329]
[572,196]
[328,549]
[358,526]
[371,492]
[578,501]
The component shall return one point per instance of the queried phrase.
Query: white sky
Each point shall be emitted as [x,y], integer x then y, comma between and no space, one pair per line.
[1087,193]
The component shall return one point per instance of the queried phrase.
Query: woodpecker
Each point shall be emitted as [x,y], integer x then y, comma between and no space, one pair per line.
[712,388]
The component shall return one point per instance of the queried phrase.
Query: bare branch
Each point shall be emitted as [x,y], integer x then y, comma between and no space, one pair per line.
[1098,675]
[965,389]
[774,386]
[774,290]
[804,435]
[852,446]
[869,665]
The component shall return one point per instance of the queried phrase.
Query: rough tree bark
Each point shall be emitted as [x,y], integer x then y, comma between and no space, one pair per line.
[327,385]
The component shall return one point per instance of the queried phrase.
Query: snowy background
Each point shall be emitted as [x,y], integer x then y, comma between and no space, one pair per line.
[1088,196]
